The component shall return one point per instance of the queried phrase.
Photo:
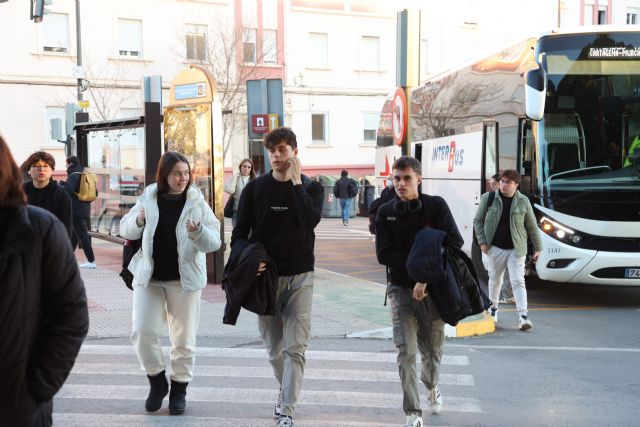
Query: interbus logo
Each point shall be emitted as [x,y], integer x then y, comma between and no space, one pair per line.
[449,154]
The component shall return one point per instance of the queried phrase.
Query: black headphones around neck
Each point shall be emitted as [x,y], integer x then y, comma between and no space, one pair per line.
[412,206]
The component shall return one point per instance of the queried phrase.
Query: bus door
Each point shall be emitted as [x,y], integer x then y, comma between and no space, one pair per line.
[489,155]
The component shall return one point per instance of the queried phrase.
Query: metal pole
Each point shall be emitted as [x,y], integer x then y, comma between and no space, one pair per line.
[78,47]
[559,11]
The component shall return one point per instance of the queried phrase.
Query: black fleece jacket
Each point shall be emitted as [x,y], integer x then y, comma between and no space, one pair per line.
[53,198]
[282,217]
[395,233]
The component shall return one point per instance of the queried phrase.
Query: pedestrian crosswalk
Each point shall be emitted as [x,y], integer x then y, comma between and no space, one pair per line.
[235,387]
[344,233]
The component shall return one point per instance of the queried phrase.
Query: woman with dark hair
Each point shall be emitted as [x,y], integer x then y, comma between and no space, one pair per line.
[236,183]
[177,228]
[44,192]
[43,305]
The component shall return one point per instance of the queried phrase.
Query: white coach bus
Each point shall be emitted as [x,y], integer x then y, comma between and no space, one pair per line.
[564,110]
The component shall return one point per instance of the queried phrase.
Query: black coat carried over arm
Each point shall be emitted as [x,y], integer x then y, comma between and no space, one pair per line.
[242,285]
[395,233]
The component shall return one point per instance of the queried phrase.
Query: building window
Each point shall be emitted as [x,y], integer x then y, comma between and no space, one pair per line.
[196,42]
[55,29]
[130,37]
[632,16]
[269,47]
[588,14]
[54,113]
[424,64]
[602,15]
[249,45]
[370,127]
[318,55]
[370,53]
[319,128]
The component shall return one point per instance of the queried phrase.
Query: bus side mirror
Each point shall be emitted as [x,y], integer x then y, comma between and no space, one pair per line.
[535,92]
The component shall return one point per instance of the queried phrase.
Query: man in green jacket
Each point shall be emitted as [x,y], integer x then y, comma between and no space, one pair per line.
[502,232]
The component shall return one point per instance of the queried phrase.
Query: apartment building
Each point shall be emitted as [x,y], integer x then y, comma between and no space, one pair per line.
[335,57]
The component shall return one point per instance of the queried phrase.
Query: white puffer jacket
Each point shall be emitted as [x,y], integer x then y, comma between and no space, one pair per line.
[191,246]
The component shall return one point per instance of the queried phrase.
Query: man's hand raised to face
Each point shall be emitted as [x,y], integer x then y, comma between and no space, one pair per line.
[294,171]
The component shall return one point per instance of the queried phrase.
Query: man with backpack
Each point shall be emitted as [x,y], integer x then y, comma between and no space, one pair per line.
[502,230]
[81,188]
[345,189]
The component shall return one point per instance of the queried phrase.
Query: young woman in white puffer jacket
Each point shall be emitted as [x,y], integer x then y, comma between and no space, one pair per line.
[177,228]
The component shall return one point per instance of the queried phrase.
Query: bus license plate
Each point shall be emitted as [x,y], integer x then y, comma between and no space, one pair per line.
[632,273]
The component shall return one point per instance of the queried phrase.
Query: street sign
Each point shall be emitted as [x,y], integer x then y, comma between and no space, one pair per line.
[399,116]
[260,123]
[273,122]
[83,104]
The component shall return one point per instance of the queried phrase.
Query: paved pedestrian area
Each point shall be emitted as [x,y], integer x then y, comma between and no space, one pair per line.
[339,309]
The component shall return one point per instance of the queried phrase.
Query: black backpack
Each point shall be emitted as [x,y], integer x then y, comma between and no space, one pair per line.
[129,249]
[353,188]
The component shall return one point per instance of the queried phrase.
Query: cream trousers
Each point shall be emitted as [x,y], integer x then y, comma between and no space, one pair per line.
[151,306]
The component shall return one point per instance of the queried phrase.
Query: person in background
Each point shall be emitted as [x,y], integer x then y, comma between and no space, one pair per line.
[345,189]
[43,305]
[506,294]
[44,192]
[81,212]
[502,231]
[177,228]
[236,183]
[281,210]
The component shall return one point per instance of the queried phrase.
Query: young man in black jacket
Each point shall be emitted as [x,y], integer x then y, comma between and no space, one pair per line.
[416,323]
[280,210]
[44,192]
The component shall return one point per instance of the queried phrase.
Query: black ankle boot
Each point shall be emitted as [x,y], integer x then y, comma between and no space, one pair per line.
[159,389]
[177,398]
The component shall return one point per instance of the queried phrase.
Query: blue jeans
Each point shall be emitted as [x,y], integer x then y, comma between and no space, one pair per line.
[345,204]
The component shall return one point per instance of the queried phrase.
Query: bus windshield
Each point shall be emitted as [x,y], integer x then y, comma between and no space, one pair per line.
[589,138]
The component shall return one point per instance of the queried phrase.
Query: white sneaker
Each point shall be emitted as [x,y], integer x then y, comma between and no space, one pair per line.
[284,421]
[89,265]
[414,420]
[277,410]
[493,312]
[434,400]
[524,323]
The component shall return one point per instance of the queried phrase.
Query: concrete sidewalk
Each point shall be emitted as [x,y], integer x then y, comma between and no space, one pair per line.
[343,306]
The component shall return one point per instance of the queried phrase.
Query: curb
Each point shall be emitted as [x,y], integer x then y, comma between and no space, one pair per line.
[479,324]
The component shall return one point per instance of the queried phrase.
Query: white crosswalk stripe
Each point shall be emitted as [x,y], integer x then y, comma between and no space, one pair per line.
[235,387]
[343,233]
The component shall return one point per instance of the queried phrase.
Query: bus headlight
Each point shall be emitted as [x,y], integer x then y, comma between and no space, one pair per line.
[559,231]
